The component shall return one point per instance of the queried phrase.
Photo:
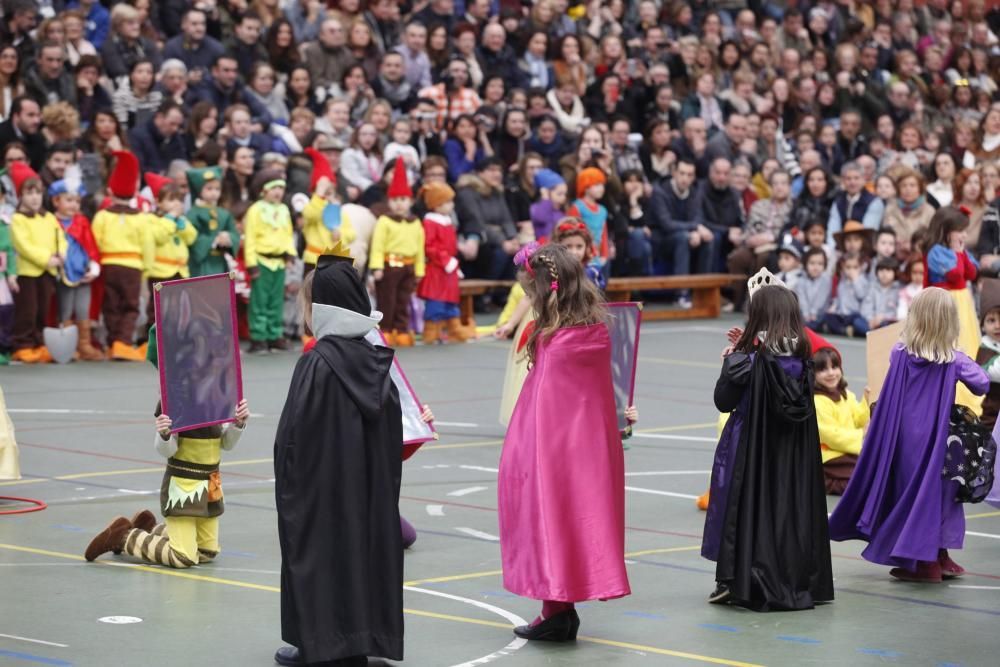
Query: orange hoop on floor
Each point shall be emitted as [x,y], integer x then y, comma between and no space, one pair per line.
[35,505]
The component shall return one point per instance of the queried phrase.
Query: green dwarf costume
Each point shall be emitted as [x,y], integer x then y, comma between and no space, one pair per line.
[206,257]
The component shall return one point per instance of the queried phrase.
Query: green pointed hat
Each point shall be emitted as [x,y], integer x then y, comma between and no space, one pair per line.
[198,177]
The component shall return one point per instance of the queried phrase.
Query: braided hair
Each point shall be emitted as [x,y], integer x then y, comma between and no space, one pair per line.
[560,292]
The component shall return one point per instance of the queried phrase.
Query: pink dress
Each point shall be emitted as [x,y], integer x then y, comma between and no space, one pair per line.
[562,476]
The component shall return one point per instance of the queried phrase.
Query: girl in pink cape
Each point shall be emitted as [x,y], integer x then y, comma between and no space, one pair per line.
[562,472]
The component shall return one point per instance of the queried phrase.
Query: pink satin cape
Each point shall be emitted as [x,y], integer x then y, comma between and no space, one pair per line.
[562,476]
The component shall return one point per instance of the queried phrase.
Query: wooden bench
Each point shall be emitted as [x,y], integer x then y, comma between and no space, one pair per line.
[706,301]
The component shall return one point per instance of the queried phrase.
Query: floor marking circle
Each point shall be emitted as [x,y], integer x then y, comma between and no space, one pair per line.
[514,619]
[120,620]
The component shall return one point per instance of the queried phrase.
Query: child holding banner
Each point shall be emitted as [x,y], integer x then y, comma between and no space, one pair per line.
[897,500]
[572,445]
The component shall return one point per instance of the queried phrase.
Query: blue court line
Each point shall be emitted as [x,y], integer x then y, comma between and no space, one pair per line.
[721,628]
[798,640]
[646,615]
[672,566]
[34,658]
[882,653]
[929,603]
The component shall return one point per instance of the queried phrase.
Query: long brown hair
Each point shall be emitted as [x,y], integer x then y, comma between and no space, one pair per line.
[825,358]
[561,294]
[774,310]
[570,226]
[946,220]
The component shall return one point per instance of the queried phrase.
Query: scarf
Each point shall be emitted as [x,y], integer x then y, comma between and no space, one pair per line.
[911,207]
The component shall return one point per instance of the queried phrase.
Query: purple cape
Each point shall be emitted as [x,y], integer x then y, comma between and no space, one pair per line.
[897,500]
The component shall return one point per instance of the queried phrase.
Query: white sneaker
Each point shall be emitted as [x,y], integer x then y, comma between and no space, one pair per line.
[684,303]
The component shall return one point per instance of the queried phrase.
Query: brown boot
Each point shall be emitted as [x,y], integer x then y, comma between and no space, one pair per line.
[85,346]
[456,332]
[404,339]
[109,539]
[143,520]
[432,332]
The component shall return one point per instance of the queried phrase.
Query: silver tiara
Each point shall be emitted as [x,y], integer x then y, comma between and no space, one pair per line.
[763,278]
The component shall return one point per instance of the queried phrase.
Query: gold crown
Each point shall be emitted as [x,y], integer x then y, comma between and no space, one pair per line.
[339,250]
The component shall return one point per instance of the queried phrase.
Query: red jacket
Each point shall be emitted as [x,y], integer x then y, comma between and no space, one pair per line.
[80,231]
[440,282]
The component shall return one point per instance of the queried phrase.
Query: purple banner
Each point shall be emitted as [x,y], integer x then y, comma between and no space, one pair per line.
[623,324]
[198,351]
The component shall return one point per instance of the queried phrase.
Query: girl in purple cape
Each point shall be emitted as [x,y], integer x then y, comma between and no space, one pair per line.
[897,500]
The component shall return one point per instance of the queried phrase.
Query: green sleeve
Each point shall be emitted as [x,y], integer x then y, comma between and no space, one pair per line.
[202,246]
[227,223]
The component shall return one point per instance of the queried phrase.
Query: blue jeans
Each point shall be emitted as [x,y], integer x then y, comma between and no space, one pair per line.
[681,252]
[639,253]
[837,324]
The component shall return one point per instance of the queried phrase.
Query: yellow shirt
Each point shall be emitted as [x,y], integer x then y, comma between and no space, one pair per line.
[395,237]
[514,298]
[267,230]
[841,425]
[124,239]
[318,238]
[35,240]
[171,239]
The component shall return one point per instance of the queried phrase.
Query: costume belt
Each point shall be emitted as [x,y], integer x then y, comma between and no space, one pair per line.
[314,249]
[398,261]
[171,262]
[189,469]
[121,255]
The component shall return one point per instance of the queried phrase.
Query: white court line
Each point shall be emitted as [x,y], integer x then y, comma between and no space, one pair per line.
[667,436]
[673,330]
[991,535]
[34,641]
[479,468]
[654,473]
[464,492]
[481,535]
[975,588]
[655,492]
[435,510]
[457,424]
[74,411]
[513,618]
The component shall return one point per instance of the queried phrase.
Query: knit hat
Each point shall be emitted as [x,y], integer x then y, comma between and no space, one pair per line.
[265,180]
[436,194]
[20,173]
[589,177]
[156,183]
[321,168]
[400,186]
[197,178]
[817,342]
[124,179]
[548,179]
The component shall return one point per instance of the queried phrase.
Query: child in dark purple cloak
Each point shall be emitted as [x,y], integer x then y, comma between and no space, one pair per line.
[897,500]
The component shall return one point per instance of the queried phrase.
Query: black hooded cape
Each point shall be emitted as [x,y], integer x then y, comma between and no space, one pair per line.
[337,472]
[775,548]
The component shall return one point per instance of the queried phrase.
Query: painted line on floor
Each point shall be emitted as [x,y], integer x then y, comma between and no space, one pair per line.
[654,473]
[928,603]
[456,424]
[34,658]
[35,641]
[478,534]
[984,515]
[464,445]
[664,436]
[682,362]
[678,427]
[989,535]
[466,491]
[975,588]
[656,492]
[132,471]
[435,510]
[480,468]
[415,612]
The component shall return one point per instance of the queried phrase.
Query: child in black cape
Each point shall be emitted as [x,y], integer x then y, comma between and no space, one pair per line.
[766,525]
[337,469]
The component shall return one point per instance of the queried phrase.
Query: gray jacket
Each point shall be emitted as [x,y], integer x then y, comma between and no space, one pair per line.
[850,296]
[814,296]
[881,302]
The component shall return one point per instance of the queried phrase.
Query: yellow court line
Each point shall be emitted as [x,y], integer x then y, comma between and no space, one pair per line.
[983,515]
[415,612]
[493,573]
[680,427]
[127,471]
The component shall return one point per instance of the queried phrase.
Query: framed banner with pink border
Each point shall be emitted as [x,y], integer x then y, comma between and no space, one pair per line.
[198,352]
[624,320]
[415,431]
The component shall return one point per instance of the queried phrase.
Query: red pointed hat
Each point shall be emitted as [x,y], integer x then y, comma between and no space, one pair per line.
[156,183]
[817,342]
[400,184]
[124,180]
[19,173]
[321,168]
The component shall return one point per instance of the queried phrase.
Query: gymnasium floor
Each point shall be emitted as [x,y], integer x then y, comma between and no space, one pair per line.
[85,433]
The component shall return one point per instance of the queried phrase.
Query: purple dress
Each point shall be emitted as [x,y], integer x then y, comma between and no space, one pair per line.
[897,500]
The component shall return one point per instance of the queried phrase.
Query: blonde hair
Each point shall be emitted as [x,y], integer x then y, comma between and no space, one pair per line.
[931,330]
[62,119]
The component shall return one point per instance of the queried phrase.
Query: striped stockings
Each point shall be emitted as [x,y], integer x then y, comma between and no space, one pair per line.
[155,547]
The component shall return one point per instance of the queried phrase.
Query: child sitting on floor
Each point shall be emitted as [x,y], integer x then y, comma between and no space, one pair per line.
[882,303]
[813,288]
[844,317]
[841,419]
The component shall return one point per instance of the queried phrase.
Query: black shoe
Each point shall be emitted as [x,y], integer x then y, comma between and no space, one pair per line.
[287,655]
[560,628]
[257,347]
[721,594]
[280,344]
